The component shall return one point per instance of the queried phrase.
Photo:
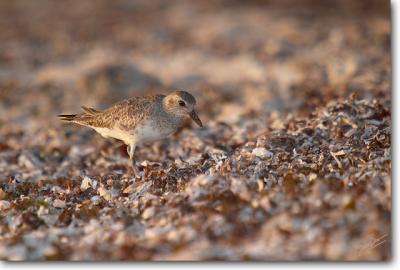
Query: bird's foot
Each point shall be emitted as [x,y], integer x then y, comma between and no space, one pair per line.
[135,168]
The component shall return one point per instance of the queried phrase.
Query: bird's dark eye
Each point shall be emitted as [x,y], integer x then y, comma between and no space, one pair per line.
[182,104]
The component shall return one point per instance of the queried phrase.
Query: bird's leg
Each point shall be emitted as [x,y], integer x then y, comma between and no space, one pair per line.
[131,151]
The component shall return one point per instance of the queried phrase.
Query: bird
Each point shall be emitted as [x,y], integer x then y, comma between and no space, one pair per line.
[139,119]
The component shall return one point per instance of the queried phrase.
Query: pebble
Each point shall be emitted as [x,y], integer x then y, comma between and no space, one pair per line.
[95,200]
[129,189]
[4,205]
[148,213]
[86,183]
[59,203]
[261,152]
[2,194]
[106,194]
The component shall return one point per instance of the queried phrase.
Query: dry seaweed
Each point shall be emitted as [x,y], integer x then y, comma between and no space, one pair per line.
[294,161]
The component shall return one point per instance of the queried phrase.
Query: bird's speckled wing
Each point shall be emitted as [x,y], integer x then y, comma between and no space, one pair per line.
[126,114]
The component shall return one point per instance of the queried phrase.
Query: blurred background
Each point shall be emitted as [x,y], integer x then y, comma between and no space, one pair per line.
[255,55]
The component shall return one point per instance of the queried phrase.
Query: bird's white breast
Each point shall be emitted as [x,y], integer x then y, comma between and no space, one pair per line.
[148,132]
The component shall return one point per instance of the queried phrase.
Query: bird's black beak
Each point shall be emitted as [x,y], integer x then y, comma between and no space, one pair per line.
[196,118]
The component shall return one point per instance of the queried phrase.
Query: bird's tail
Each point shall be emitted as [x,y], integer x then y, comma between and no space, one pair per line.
[68,117]
[82,118]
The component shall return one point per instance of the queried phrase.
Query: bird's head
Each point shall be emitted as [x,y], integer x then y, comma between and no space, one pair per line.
[183,104]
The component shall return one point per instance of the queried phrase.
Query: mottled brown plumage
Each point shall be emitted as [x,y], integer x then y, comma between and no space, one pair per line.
[139,119]
[126,114]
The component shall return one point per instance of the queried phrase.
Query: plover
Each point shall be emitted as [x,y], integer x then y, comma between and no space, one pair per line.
[139,119]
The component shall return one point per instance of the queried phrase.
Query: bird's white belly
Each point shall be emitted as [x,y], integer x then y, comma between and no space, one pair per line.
[116,133]
[142,133]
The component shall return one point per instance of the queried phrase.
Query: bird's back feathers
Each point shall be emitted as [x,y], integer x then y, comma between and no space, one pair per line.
[126,114]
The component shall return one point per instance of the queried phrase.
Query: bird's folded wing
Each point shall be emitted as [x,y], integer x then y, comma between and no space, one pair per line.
[126,114]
